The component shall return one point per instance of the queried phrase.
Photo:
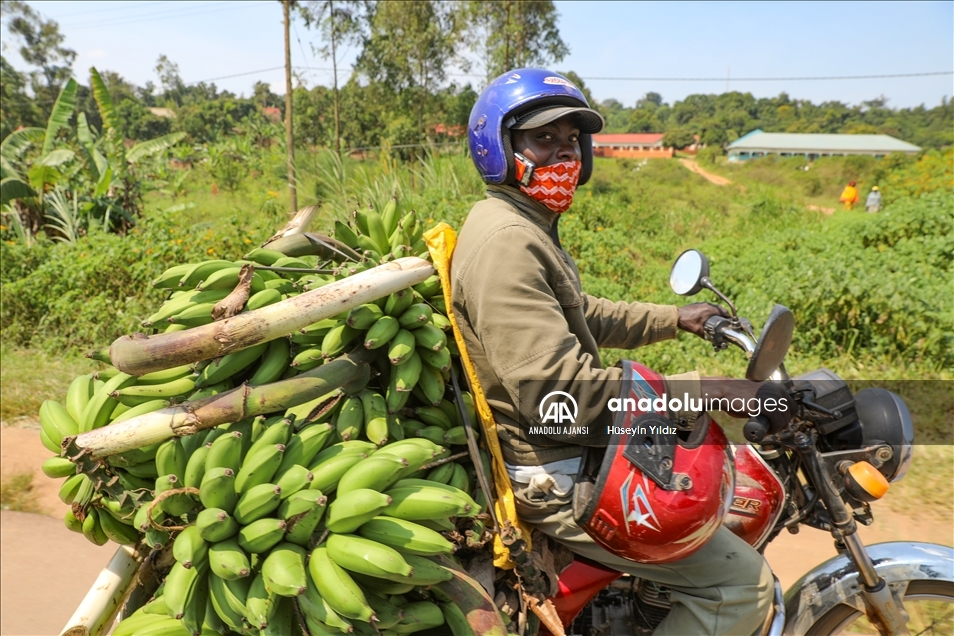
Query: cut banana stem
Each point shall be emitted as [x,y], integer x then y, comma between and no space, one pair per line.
[140,354]
[96,613]
[310,243]
[230,406]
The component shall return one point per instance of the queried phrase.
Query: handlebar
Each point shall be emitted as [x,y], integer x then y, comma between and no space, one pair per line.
[756,429]
[722,331]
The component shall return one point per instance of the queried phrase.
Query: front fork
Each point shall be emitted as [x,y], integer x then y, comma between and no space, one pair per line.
[883,607]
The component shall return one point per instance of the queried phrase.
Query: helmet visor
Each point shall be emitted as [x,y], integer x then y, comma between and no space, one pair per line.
[587,119]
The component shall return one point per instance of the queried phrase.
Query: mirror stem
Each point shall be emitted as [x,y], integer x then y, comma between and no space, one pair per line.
[705,282]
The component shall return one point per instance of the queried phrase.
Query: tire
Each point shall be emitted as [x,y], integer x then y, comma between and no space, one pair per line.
[930,604]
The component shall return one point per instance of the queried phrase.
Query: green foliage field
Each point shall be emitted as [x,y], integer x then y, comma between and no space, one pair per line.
[871,293]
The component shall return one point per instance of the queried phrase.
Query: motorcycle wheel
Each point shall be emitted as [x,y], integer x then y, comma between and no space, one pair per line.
[930,605]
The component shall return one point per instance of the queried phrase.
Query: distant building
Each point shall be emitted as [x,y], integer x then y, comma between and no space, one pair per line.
[272,114]
[811,146]
[163,112]
[631,146]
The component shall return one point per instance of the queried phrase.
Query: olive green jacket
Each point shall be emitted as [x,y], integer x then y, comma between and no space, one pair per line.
[530,328]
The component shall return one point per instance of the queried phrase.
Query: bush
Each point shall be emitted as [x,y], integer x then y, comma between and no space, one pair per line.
[80,296]
[859,283]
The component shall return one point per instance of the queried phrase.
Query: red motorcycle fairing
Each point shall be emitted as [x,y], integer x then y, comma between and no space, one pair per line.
[579,583]
[633,516]
[758,499]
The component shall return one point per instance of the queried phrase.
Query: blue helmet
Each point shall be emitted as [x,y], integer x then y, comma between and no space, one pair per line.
[518,95]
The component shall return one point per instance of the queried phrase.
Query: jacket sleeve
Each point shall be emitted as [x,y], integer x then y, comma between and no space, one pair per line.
[517,310]
[623,325]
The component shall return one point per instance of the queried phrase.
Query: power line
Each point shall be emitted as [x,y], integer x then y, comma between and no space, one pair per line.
[759,79]
[165,14]
[112,8]
[215,79]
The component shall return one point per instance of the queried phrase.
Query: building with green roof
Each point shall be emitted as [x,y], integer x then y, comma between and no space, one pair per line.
[811,146]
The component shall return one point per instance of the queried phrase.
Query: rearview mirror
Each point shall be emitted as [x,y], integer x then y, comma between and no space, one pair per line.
[688,272]
[773,344]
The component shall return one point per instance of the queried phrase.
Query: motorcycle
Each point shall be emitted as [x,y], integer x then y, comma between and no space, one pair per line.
[822,470]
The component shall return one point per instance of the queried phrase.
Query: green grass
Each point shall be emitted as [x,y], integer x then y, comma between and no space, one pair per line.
[16,493]
[30,376]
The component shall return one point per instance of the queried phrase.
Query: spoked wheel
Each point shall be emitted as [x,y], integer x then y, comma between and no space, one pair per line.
[929,604]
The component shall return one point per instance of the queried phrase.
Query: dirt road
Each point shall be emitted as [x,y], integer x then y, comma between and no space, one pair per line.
[46,570]
[692,166]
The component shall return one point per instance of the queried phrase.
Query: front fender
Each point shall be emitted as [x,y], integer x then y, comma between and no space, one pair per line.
[836,580]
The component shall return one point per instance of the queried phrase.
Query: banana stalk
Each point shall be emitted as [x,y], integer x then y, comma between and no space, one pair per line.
[308,243]
[105,598]
[139,354]
[231,406]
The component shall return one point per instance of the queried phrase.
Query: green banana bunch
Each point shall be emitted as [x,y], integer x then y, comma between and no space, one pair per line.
[350,510]
[358,554]
[260,604]
[228,560]
[337,587]
[405,536]
[189,547]
[302,512]
[284,570]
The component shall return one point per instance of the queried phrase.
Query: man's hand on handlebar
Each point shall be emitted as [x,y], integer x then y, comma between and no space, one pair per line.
[692,318]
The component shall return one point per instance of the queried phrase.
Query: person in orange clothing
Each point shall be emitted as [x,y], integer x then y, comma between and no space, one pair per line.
[849,196]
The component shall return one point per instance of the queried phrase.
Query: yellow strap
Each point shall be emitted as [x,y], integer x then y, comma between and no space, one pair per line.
[441,240]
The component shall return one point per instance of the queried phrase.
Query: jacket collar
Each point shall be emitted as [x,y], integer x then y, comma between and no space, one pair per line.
[534,210]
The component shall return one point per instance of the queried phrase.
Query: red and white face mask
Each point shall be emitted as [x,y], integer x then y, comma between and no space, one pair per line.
[552,185]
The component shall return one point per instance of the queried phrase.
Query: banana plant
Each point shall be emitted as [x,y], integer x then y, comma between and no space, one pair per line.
[24,181]
[96,167]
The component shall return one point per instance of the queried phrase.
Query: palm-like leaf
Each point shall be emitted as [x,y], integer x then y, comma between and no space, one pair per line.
[57,157]
[17,141]
[41,176]
[13,188]
[105,180]
[104,100]
[85,136]
[63,214]
[152,146]
[62,112]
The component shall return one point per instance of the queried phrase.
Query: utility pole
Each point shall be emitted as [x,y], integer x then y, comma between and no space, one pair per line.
[334,68]
[289,135]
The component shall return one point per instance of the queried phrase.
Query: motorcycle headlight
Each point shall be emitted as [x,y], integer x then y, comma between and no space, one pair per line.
[885,419]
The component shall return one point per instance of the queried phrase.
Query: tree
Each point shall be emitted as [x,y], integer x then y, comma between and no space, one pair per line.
[42,48]
[515,33]
[576,79]
[408,48]
[170,80]
[16,107]
[654,99]
[263,97]
[678,138]
[339,24]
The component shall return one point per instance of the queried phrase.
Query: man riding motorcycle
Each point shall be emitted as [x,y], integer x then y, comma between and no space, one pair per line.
[531,330]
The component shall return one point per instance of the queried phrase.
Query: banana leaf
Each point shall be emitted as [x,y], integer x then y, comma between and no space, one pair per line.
[57,157]
[152,146]
[15,143]
[61,115]
[104,100]
[85,136]
[41,175]
[13,188]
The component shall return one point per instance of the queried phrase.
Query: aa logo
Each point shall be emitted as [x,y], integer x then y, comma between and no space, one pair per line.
[558,407]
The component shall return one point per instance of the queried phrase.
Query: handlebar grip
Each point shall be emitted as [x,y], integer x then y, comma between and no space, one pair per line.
[756,429]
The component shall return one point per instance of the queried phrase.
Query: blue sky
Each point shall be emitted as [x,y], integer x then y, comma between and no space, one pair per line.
[607,39]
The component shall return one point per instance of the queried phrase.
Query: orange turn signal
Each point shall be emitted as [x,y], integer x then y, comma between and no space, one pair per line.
[863,481]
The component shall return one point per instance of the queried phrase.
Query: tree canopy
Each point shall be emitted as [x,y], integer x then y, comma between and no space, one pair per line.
[402,89]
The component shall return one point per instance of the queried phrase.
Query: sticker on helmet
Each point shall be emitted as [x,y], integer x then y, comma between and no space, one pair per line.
[557,80]
[636,506]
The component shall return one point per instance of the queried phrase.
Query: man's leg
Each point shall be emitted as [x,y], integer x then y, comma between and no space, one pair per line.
[726,587]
